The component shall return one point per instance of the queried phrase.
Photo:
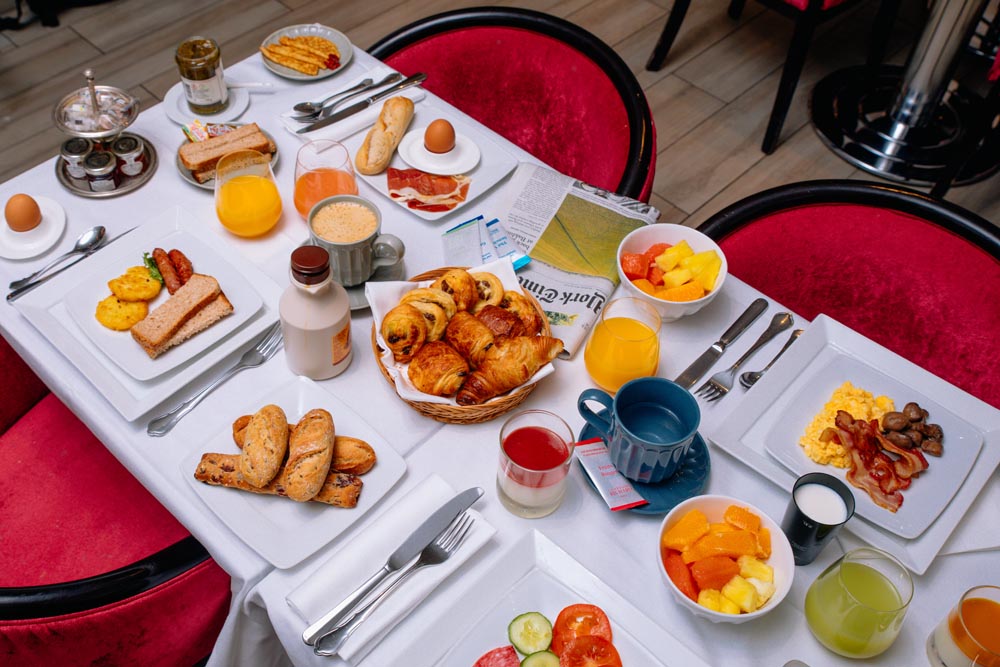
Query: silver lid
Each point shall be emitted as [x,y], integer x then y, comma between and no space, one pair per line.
[76,148]
[127,146]
[99,163]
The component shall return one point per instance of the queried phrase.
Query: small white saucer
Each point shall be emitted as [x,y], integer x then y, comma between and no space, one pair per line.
[459,160]
[176,107]
[22,245]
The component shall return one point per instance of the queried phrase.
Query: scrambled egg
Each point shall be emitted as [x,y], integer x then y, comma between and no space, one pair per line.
[860,403]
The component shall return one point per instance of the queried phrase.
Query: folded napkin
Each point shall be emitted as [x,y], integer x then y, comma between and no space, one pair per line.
[361,557]
[359,121]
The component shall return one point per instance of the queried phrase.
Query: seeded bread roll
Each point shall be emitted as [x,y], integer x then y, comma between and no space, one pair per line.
[340,489]
[310,450]
[381,141]
[264,446]
[352,455]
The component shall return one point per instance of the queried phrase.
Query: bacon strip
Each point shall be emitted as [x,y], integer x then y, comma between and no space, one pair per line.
[911,462]
[872,471]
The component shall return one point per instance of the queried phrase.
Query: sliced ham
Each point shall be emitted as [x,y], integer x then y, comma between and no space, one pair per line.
[427,192]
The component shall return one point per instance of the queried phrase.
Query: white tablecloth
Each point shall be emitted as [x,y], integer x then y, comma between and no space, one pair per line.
[620,548]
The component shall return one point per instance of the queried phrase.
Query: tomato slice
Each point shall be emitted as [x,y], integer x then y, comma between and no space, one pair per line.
[590,651]
[578,620]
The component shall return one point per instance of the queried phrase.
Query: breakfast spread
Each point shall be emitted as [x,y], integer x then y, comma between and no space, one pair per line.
[672,272]
[306,462]
[208,144]
[382,139]
[306,54]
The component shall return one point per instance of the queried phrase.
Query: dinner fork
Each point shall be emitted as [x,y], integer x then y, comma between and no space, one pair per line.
[435,553]
[255,356]
[720,383]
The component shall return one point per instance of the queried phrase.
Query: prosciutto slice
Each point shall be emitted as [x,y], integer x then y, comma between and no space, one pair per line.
[427,192]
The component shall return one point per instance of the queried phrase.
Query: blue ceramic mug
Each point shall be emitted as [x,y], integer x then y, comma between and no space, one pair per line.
[649,426]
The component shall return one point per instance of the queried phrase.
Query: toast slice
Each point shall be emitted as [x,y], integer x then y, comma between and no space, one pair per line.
[202,320]
[203,155]
[155,332]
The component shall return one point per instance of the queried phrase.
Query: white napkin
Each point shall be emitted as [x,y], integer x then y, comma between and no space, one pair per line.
[361,557]
[384,296]
[359,121]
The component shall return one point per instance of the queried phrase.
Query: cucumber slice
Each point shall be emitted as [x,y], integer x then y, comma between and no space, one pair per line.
[530,633]
[541,659]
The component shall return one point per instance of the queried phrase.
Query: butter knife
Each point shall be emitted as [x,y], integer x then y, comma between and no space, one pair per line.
[403,554]
[414,80]
[712,354]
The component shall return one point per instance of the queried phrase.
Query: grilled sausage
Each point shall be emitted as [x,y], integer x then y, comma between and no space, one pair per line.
[182,264]
[170,278]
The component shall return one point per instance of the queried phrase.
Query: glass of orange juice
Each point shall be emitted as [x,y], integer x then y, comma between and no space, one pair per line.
[968,635]
[322,169]
[246,197]
[624,345]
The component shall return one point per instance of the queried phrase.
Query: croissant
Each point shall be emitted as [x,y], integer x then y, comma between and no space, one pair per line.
[518,304]
[432,295]
[436,318]
[437,369]
[404,330]
[489,290]
[501,322]
[460,284]
[470,337]
[509,363]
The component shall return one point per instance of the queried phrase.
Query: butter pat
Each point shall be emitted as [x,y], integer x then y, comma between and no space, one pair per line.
[617,492]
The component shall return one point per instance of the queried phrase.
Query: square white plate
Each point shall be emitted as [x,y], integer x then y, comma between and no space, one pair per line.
[494,162]
[534,574]
[282,531]
[82,299]
[765,411]
[45,307]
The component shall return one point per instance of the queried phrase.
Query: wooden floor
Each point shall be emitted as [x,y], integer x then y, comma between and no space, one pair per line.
[711,101]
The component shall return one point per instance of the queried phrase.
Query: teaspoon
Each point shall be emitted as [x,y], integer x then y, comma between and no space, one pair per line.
[312,108]
[90,239]
[750,378]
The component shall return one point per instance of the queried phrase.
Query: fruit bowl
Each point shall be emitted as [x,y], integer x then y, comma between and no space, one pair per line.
[640,240]
[781,560]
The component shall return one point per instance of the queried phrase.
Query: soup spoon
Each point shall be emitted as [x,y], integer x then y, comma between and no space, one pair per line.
[87,241]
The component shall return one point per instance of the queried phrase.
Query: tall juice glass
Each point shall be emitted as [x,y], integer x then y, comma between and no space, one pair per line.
[969,636]
[624,345]
[856,607]
[246,197]
[322,169]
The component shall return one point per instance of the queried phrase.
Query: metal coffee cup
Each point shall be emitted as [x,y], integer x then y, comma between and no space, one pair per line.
[356,246]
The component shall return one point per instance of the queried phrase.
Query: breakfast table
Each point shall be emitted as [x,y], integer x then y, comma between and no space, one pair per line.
[607,558]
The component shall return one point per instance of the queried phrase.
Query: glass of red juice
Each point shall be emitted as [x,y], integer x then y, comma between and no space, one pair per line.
[536,448]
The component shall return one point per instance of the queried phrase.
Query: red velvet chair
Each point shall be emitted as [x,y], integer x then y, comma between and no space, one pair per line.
[93,570]
[549,86]
[915,274]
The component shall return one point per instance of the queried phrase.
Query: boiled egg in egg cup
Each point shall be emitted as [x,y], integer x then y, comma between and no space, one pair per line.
[438,149]
[31,225]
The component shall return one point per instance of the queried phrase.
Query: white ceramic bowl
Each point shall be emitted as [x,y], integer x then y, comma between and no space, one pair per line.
[641,239]
[781,556]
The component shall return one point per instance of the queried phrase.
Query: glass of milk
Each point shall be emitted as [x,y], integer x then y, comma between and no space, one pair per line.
[820,505]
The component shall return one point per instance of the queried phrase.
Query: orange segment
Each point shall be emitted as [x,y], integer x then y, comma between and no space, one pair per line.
[714,571]
[720,528]
[741,517]
[734,544]
[686,532]
[763,544]
[686,292]
[679,573]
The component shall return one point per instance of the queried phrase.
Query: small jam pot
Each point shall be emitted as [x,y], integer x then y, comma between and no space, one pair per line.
[73,152]
[131,154]
[101,170]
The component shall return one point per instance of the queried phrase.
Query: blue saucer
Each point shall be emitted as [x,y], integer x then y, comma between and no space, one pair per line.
[687,482]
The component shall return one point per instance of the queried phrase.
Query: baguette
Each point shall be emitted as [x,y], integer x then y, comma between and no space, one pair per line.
[265,446]
[381,141]
[156,332]
[339,489]
[202,155]
[310,450]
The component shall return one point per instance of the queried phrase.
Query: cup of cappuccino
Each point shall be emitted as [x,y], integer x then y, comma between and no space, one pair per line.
[349,227]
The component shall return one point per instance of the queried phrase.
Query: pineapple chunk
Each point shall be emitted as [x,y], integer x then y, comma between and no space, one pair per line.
[765,589]
[676,278]
[698,260]
[708,274]
[710,599]
[742,592]
[728,606]
[751,567]
[672,256]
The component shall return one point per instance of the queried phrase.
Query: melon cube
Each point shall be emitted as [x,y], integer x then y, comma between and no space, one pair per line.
[710,599]
[742,592]
[751,567]
[672,256]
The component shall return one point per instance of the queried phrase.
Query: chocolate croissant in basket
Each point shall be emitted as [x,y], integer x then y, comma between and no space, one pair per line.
[501,322]
[509,363]
[519,304]
[437,369]
[460,284]
[469,336]
[404,330]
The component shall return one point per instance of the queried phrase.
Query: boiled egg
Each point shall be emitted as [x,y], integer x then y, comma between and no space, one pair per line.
[439,137]
[22,213]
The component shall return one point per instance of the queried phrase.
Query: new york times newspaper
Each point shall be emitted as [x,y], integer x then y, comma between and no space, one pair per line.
[571,231]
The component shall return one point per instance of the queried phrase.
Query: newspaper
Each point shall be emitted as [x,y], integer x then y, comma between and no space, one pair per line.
[571,232]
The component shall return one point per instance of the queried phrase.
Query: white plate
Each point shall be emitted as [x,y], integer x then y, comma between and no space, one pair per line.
[460,159]
[81,300]
[494,165]
[188,175]
[22,245]
[338,38]
[534,574]
[176,107]
[745,432]
[283,531]
[45,307]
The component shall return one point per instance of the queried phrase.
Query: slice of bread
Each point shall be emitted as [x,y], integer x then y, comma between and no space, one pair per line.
[202,320]
[160,326]
[208,174]
[203,155]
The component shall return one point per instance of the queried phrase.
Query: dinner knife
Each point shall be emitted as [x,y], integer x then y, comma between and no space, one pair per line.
[23,289]
[712,354]
[404,553]
[414,80]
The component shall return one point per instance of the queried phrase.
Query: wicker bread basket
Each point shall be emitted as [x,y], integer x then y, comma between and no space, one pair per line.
[464,414]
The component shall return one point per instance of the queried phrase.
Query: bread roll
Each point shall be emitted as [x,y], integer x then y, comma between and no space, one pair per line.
[352,455]
[375,153]
[310,451]
[339,489]
[264,446]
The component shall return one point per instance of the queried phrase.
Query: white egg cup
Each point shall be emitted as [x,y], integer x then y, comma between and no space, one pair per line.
[459,160]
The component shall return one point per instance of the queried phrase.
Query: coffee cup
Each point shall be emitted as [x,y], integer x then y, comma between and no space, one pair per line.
[649,426]
[348,227]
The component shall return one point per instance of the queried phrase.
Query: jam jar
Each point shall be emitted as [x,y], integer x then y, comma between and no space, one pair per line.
[73,152]
[130,153]
[101,169]
[200,65]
